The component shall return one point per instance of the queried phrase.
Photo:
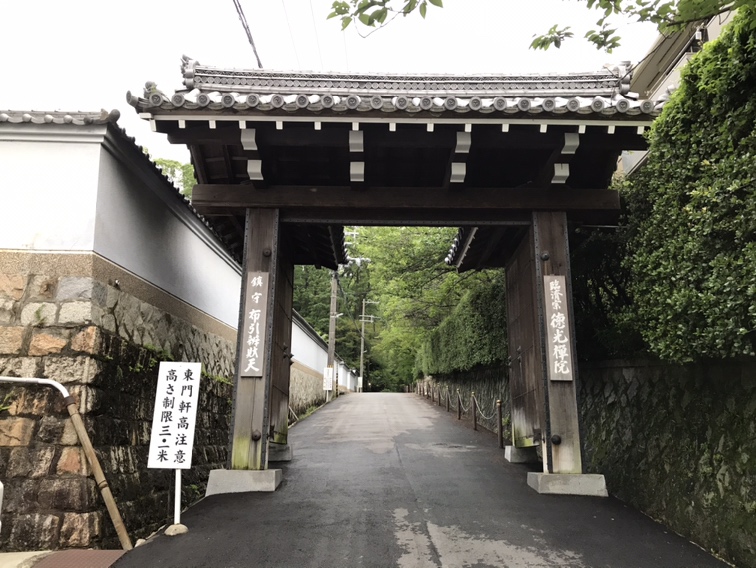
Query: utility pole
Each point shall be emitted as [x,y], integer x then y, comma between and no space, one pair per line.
[332,330]
[363,319]
[362,348]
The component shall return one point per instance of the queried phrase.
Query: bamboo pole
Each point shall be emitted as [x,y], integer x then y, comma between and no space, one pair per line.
[474,405]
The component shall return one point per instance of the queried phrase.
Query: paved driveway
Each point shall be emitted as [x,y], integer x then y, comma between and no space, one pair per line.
[389,480]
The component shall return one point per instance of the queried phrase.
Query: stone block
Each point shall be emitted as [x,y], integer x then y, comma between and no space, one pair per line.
[51,429]
[280,453]
[46,343]
[80,530]
[30,463]
[514,454]
[41,287]
[34,400]
[242,480]
[75,313]
[72,460]
[77,494]
[88,340]
[11,340]
[74,288]
[6,311]
[35,532]
[12,286]
[39,314]
[19,366]
[16,431]
[66,370]
[590,484]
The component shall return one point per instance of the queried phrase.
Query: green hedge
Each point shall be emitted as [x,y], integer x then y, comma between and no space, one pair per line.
[474,334]
[692,209]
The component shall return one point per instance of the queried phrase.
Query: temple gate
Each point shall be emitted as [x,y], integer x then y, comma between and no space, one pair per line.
[285,160]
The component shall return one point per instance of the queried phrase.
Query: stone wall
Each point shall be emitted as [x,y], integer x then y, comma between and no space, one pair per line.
[305,388]
[678,443]
[103,344]
[489,385]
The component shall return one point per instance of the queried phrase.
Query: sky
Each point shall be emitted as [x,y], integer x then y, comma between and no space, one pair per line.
[86,54]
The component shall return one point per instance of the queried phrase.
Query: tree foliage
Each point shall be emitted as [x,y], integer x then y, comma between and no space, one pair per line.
[474,334]
[692,209]
[667,15]
[180,175]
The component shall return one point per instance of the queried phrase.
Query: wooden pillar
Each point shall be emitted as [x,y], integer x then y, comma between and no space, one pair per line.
[557,335]
[528,403]
[251,419]
[282,353]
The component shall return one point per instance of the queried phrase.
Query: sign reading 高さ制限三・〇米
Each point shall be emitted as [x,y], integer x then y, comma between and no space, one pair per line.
[253,340]
[175,415]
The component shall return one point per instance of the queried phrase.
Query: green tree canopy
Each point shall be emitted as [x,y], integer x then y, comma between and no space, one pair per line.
[668,15]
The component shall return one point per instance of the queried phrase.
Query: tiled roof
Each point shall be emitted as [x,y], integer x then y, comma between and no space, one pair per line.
[57,117]
[211,88]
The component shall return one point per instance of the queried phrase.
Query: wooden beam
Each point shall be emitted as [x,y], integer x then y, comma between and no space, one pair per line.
[623,138]
[291,198]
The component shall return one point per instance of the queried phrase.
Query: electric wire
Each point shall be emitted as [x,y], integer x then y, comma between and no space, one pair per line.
[291,35]
[317,38]
[243,20]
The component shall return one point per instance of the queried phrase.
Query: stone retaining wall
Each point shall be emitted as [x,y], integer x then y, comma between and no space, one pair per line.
[103,345]
[305,389]
[678,443]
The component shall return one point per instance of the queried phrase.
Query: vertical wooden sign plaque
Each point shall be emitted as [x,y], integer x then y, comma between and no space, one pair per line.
[255,316]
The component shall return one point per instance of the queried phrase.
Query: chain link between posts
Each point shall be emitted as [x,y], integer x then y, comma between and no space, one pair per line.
[477,404]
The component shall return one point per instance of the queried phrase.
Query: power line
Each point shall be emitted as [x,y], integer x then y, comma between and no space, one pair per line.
[317,39]
[246,29]
[291,35]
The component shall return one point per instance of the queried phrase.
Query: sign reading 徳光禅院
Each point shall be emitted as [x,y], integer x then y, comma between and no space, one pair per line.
[175,415]
[253,344]
[558,344]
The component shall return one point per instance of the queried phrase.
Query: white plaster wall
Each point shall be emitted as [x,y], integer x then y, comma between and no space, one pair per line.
[48,188]
[150,232]
[306,350]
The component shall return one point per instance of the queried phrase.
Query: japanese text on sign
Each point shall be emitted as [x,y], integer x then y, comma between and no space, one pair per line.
[255,304]
[558,343]
[175,415]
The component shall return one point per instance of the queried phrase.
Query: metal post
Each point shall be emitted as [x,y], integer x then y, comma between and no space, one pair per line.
[447,399]
[177,500]
[459,406]
[474,406]
[501,426]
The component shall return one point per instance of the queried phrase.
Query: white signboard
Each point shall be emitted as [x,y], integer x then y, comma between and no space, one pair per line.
[255,304]
[328,379]
[175,415]
[558,342]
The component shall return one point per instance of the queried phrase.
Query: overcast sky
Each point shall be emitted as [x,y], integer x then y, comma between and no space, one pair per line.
[86,54]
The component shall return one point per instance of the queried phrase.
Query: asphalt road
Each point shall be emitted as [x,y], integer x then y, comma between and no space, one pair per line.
[389,480]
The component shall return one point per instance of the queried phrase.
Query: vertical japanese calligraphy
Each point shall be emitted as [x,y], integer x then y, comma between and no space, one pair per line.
[558,345]
[175,415]
[255,305]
